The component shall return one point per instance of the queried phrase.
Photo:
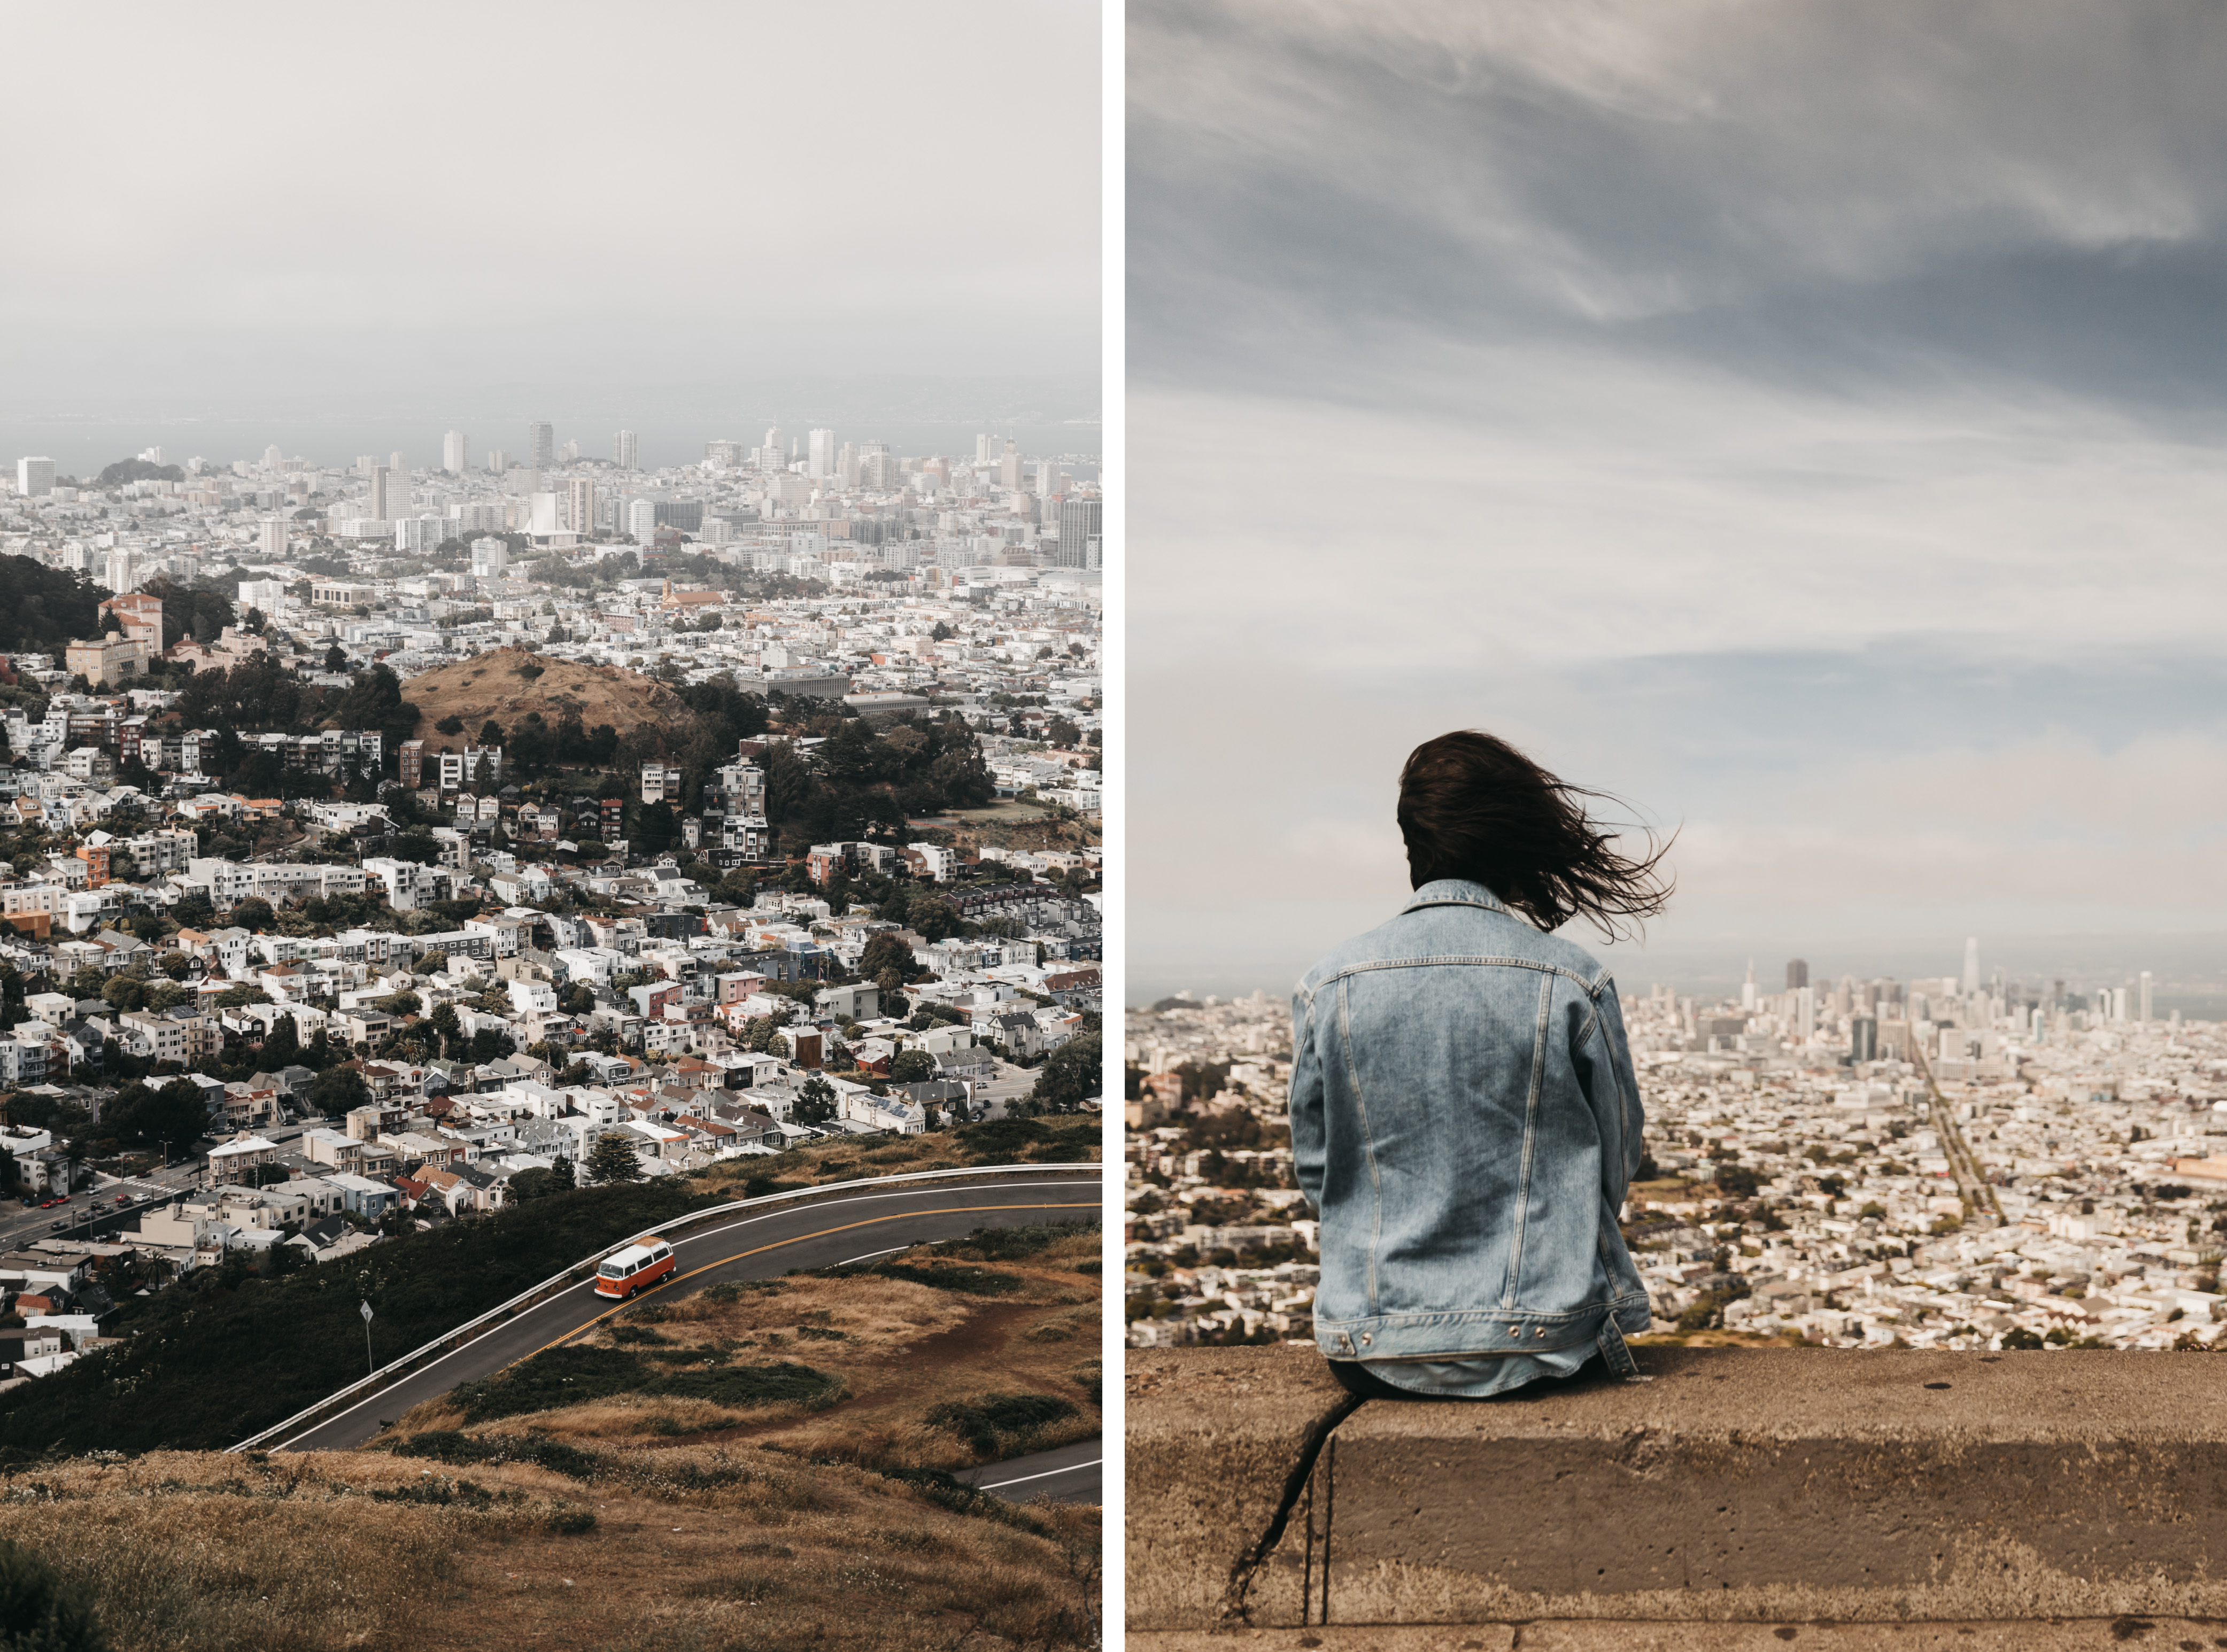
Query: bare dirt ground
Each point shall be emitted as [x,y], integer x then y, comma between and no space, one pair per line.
[501,685]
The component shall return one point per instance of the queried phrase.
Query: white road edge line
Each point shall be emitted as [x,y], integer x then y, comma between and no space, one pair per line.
[588,1285]
[869,1255]
[991,1485]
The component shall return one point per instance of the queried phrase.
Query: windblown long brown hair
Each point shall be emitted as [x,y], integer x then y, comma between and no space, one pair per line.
[1472,806]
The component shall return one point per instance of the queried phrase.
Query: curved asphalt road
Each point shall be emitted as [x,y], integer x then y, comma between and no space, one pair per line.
[764,1243]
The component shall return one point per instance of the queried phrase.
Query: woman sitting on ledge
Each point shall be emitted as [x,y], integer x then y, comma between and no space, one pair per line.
[1464,1117]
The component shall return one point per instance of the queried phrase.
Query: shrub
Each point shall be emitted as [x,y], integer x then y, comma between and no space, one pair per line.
[179,1382]
[999,1419]
[972,1281]
[1011,1244]
[38,1612]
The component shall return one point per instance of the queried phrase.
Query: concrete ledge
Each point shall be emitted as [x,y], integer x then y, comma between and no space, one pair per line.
[2066,1635]
[1212,1447]
[1772,1488]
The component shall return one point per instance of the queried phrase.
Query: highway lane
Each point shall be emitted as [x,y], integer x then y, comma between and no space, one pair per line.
[1071,1473]
[749,1244]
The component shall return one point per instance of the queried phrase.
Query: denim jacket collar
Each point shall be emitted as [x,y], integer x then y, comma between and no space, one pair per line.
[1454,891]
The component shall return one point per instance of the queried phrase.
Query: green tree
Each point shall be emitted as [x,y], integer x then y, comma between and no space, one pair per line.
[282,1044]
[911,1067]
[883,953]
[253,913]
[612,1160]
[335,657]
[338,1090]
[931,917]
[121,992]
[1070,1075]
[171,1116]
[815,1103]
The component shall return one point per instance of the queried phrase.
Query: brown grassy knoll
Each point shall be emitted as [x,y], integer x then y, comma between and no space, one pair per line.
[503,684]
[1056,1139]
[698,1550]
[900,1350]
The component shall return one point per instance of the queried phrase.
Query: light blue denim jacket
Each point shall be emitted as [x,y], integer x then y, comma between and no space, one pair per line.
[1465,1121]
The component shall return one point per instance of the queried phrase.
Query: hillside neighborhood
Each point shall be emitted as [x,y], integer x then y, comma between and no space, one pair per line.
[352,882]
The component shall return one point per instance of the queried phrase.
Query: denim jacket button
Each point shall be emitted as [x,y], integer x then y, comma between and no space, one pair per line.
[1366,1339]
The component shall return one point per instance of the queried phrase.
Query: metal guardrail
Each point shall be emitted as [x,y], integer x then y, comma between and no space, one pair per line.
[533,1295]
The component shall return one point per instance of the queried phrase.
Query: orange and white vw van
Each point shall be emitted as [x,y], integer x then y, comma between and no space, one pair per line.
[637,1268]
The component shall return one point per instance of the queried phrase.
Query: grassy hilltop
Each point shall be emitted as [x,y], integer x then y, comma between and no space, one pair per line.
[759,1465]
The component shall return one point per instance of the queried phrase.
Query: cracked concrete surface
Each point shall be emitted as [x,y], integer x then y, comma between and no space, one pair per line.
[1742,1489]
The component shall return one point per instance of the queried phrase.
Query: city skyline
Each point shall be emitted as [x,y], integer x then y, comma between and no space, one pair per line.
[1794,424]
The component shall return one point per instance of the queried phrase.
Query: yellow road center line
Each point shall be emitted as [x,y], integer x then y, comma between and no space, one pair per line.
[675,1278]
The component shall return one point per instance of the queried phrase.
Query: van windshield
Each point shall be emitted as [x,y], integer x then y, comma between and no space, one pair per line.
[611,1270]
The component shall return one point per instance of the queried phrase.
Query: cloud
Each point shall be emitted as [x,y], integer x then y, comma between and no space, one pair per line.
[1875,192]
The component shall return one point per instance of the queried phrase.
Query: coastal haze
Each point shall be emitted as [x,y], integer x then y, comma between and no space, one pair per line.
[524,215]
[1809,428]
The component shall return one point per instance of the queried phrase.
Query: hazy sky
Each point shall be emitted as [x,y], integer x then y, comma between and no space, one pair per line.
[252,204]
[1807,420]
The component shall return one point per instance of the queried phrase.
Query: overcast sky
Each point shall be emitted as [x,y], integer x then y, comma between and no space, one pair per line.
[1808,421]
[257,204]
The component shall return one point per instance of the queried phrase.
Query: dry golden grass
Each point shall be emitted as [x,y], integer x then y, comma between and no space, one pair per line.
[901,1349]
[692,1548]
[493,686]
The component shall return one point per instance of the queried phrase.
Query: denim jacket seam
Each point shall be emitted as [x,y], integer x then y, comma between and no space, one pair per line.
[1367,1140]
[1478,960]
[1489,1316]
[1509,1290]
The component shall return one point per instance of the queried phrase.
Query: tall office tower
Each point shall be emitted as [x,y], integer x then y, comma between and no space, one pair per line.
[2145,1006]
[623,450]
[820,461]
[1971,965]
[846,466]
[397,490]
[498,461]
[377,500]
[641,521]
[982,454]
[1047,479]
[152,456]
[366,463]
[569,453]
[1797,973]
[771,455]
[1805,1013]
[1082,523]
[272,541]
[722,454]
[1863,1038]
[456,452]
[580,505]
[398,464]
[1747,989]
[1009,466]
[272,458]
[541,442]
[34,478]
